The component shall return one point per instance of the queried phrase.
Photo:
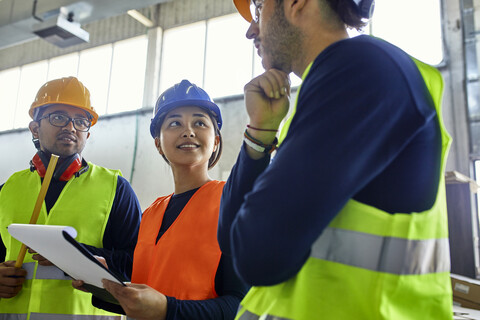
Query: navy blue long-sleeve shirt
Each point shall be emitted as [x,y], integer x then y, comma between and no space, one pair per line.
[365,128]
[121,231]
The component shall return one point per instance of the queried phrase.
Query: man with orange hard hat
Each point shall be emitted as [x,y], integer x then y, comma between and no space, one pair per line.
[348,220]
[98,202]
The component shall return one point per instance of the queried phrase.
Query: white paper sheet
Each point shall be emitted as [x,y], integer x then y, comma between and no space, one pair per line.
[52,243]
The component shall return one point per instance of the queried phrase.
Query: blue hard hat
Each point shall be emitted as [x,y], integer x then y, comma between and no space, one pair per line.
[183,94]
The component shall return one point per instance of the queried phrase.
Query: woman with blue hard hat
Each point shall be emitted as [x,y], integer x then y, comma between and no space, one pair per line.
[179,271]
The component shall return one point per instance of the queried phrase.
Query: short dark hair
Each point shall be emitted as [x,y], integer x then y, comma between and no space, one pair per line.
[347,12]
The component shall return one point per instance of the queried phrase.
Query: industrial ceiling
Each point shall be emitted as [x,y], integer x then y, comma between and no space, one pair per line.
[20,18]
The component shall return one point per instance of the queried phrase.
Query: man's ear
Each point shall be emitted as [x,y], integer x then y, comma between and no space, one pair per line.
[34,126]
[294,7]
[158,145]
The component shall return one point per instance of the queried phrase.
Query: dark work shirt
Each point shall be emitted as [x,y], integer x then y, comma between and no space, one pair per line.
[365,129]
[174,207]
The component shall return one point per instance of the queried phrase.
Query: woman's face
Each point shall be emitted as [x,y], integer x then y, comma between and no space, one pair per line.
[187,137]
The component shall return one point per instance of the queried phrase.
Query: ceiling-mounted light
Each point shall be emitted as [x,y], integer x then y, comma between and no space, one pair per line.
[62,32]
[59,28]
[140,18]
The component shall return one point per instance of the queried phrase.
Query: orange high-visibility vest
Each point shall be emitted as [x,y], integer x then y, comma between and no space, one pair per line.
[184,261]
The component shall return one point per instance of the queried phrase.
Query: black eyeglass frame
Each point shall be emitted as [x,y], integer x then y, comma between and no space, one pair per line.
[256,9]
[72,120]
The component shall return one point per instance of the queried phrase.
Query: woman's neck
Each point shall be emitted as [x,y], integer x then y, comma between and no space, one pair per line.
[186,179]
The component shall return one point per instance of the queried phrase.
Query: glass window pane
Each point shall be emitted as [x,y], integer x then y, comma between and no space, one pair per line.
[9,81]
[294,80]
[257,63]
[94,73]
[229,56]
[477,179]
[32,77]
[354,32]
[421,37]
[128,75]
[63,66]
[183,55]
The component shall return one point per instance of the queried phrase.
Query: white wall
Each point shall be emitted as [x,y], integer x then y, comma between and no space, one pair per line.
[112,145]
[113,139]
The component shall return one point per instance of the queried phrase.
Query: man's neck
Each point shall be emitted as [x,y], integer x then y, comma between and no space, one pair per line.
[314,46]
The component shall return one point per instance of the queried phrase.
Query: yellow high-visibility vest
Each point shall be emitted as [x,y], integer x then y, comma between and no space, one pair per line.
[84,204]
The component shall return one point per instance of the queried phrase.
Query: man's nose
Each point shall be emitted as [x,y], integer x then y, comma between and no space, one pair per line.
[69,126]
[252,31]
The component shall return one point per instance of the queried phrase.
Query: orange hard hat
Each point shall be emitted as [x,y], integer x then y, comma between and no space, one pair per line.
[243,7]
[68,91]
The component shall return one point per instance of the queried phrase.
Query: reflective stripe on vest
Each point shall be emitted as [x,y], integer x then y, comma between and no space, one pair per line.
[53,316]
[50,273]
[14,316]
[44,272]
[30,268]
[383,254]
[247,315]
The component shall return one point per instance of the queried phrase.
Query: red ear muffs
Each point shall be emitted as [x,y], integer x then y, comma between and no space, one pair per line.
[37,164]
[69,166]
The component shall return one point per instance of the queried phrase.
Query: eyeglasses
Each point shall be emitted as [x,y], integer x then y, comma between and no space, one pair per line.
[61,120]
[255,9]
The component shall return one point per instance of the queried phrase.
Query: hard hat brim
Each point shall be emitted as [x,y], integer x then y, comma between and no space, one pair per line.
[243,7]
[92,112]
[207,105]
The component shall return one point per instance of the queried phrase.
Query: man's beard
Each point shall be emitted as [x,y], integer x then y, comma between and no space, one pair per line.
[282,43]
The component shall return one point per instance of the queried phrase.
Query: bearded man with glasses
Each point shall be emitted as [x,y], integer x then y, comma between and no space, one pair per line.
[98,202]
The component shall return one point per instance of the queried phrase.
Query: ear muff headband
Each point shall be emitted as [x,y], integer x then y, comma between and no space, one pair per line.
[68,168]
[65,171]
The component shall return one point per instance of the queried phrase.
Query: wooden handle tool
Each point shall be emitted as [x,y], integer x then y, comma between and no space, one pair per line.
[38,204]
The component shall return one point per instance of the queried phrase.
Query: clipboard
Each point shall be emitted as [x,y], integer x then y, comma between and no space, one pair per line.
[58,245]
